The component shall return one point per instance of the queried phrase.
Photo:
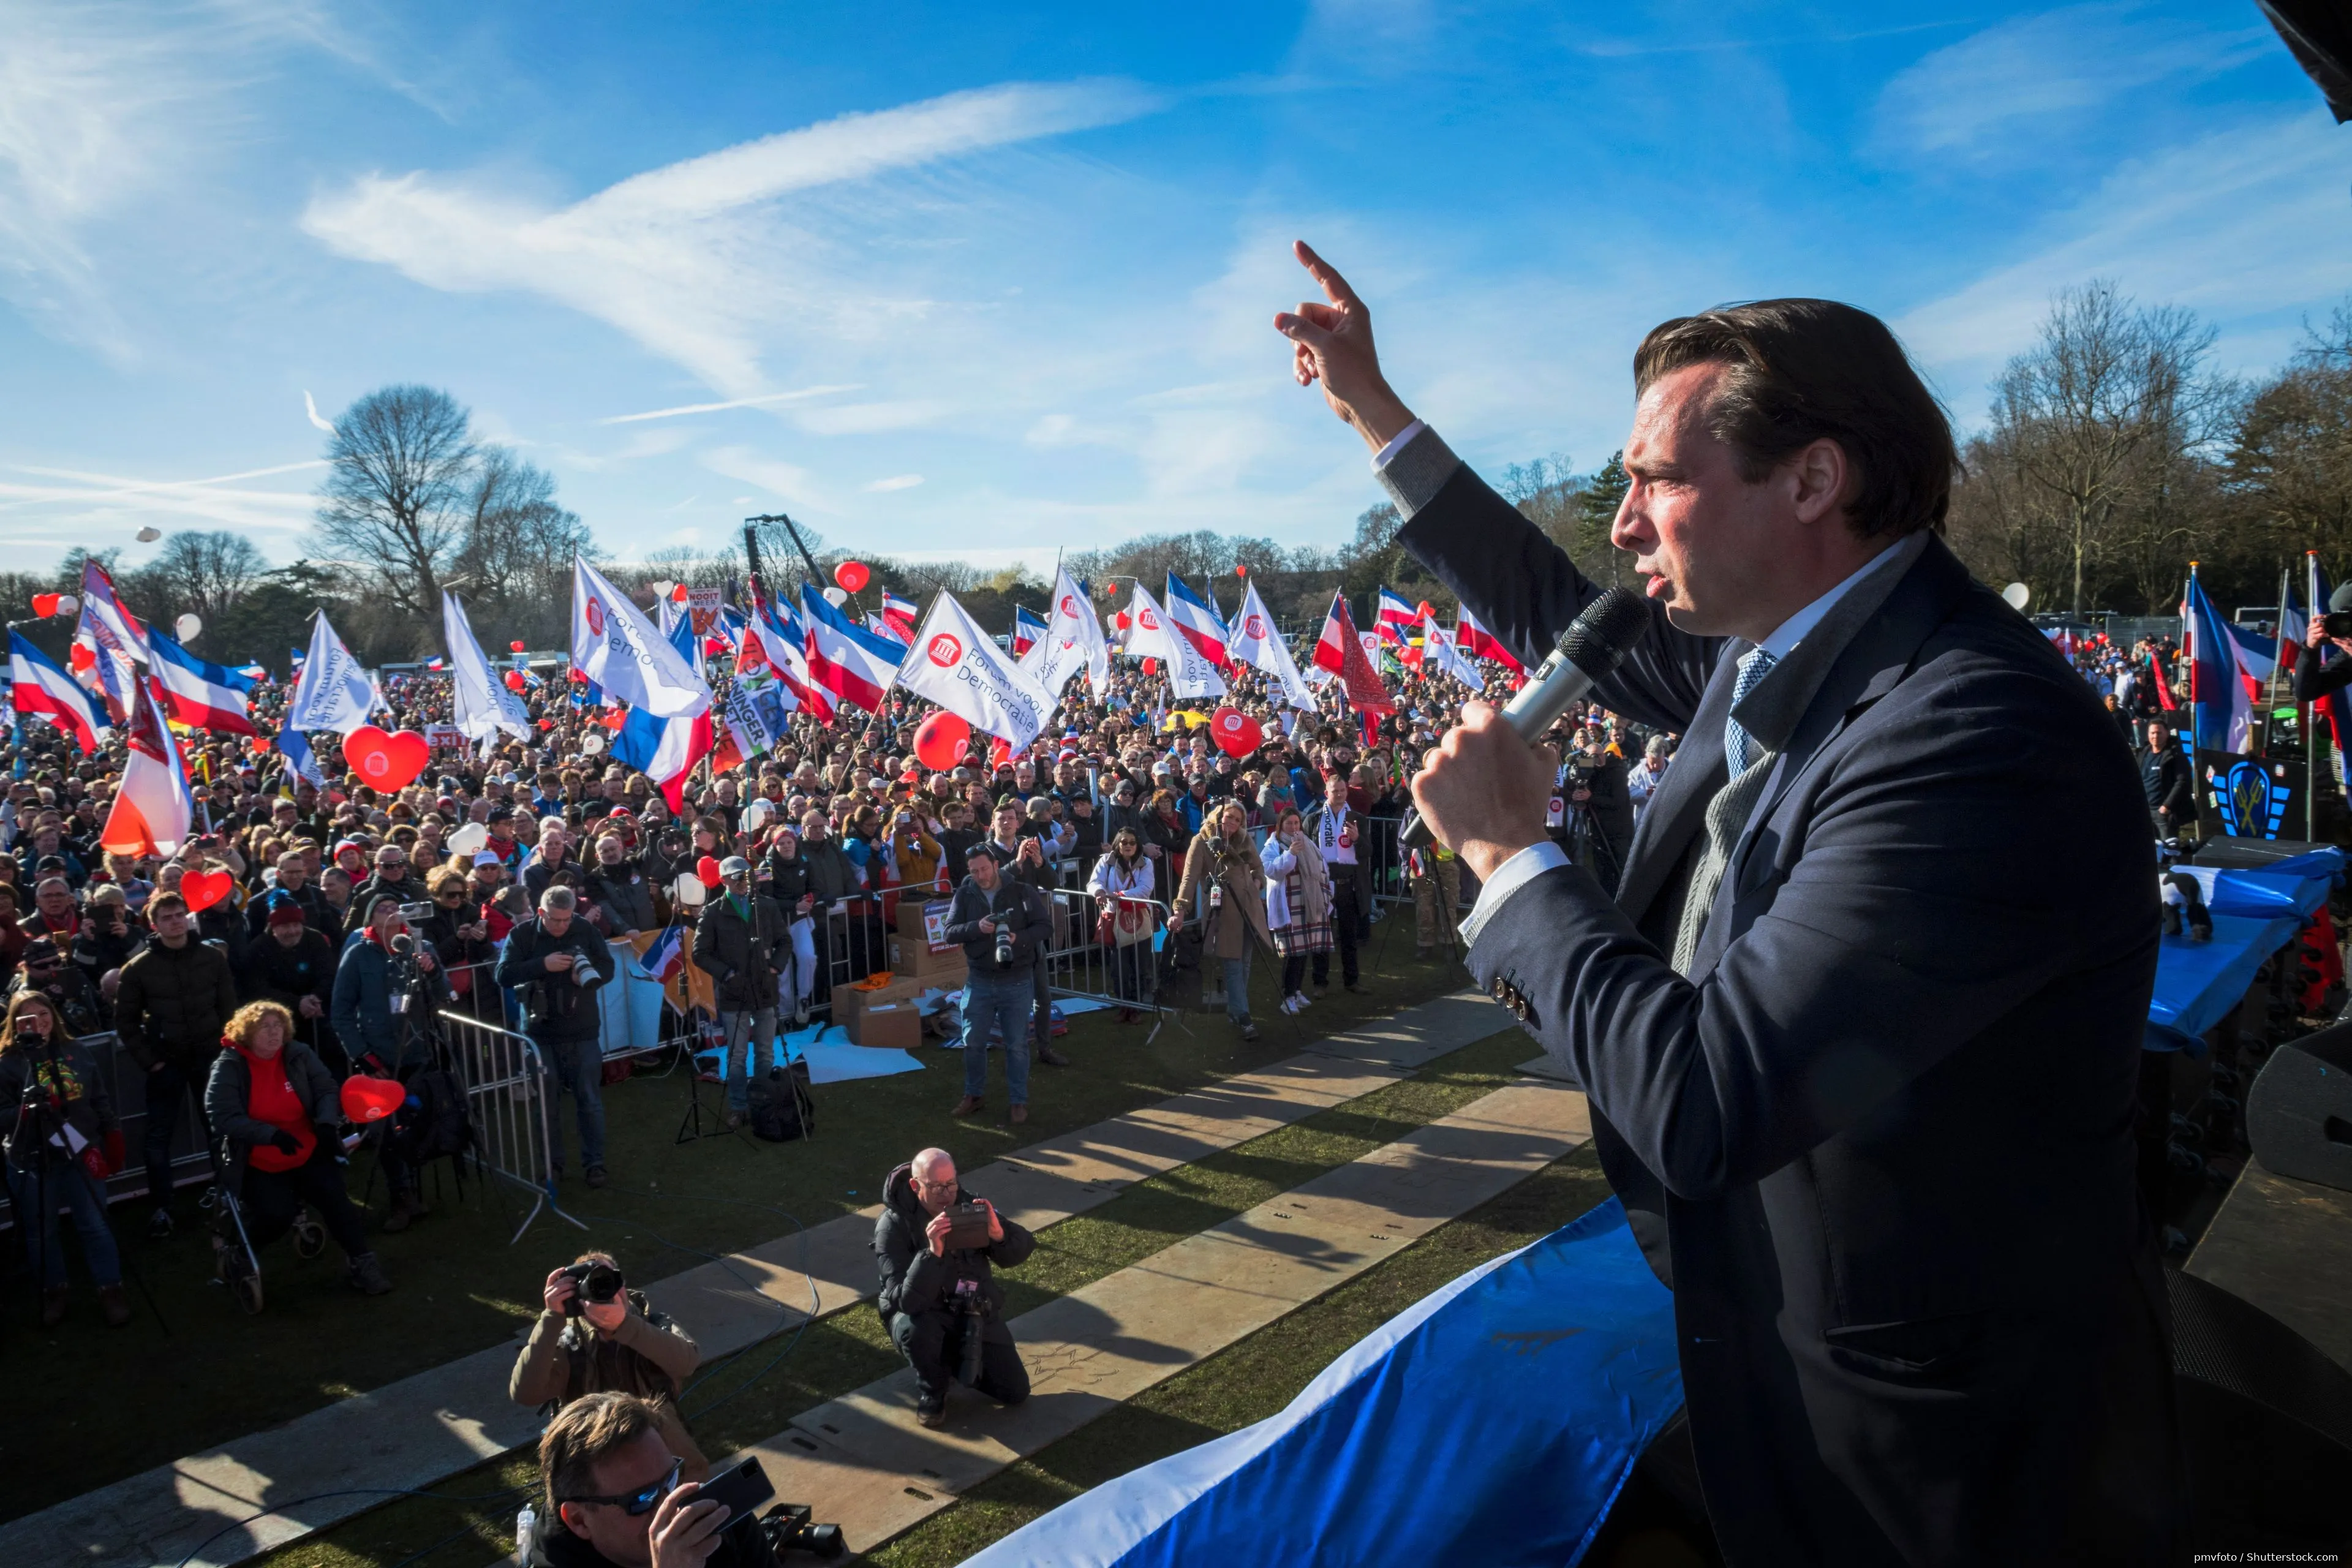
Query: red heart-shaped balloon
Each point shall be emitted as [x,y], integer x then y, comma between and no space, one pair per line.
[202,890]
[369,1099]
[706,869]
[45,604]
[408,753]
[515,646]
[365,750]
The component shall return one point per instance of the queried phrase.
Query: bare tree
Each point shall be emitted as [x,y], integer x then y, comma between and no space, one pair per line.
[515,560]
[203,572]
[393,509]
[2290,463]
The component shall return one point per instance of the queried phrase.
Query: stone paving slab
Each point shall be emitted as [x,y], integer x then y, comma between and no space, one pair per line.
[1110,1340]
[423,1428]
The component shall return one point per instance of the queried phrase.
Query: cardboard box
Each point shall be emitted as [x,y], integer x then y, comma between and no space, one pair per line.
[892,1024]
[927,921]
[912,956]
[849,1002]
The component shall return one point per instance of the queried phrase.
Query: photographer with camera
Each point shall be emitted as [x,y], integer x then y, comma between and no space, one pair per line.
[175,996]
[63,1142]
[595,1335]
[614,1497]
[741,940]
[42,968]
[276,1108]
[936,1248]
[387,988]
[1001,925]
[556,962]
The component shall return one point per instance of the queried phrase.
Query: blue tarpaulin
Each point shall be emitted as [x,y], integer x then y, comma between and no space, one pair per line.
[1494,1423]
[2269,893]
[2198,983]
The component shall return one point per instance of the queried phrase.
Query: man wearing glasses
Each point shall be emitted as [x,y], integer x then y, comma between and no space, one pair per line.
[614,1498]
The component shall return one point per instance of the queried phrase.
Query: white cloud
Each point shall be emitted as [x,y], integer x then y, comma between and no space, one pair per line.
[895,482]
[93,508]
[2007,83]
[701,261]
[761,401]
[788,481]
[2242,224]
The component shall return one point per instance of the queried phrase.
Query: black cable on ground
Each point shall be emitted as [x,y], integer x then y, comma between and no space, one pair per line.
[352,1491]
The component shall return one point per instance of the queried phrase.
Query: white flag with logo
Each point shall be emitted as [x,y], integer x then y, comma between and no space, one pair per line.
[1440,657]
[1073,641]
[1256,642]
[614,646]
[956,665]
[334,692]
[1150,636]
[484,704]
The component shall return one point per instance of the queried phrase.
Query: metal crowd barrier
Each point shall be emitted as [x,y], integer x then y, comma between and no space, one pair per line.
[507,1102]
[126,1082]
[1078,965]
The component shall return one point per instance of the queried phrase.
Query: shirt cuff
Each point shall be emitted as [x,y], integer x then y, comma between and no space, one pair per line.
[1516,873]
[1396,443]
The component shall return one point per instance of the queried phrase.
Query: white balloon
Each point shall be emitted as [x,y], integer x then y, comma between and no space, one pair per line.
[662,588]
[836,596]
[469,839]
[755,815]
[149,535]
[187,627]
[2018,594]
[690,890]
[67,605]
[590,745]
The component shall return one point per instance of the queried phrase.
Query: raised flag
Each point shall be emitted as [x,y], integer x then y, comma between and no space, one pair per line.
[663,750]
[1439,655]
[254,672]
[1340,650]
[1396,619]
[1149,636]
[614,646]
[104,614]
[334,693]
[1027,627]
[1255,641]
[481,704]
[153,807]
[201,695]
[1073,640]
[775,643]
[902,615]
[1475,640]
[844,657]
[680,635]
[1195,620]
[2221,702]
[40,686]
[750,721]
[956,665]
[881,627]
[295,747]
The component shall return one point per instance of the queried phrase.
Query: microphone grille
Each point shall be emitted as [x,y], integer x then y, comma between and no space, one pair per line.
[1607,630]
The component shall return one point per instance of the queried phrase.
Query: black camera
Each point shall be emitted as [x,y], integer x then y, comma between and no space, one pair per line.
[1003,944]
[599,1286]
[2337,622]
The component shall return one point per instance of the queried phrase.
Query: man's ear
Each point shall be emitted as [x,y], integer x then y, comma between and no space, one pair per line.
[574,1518]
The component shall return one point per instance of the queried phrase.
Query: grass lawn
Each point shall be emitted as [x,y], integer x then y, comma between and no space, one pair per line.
[122,1402]
[848,1350]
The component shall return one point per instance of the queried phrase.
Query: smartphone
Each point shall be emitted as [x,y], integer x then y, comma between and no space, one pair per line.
[742,1487]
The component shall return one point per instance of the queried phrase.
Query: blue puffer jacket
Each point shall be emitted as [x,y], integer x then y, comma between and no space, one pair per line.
[361,1012]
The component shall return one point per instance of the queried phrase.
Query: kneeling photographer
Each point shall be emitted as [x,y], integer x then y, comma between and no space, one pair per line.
[557,962]
[276,1107]
[616,1498]
[595,1335]
[936,1250]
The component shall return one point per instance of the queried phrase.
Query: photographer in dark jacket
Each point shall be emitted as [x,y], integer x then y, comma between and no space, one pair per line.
[557,962]
[2313,679]
[934,1296]
[175,998]
[42,968]
[2164,774]
[384,973]
[741,941]
[619,886]
[1001,925]
[1597,787]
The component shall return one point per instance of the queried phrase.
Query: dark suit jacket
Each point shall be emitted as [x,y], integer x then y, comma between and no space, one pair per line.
[1879,1142]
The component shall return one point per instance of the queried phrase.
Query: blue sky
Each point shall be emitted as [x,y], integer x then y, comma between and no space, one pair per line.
[987,280]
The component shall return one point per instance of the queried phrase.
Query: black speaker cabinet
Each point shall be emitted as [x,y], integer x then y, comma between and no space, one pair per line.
[2299,1112]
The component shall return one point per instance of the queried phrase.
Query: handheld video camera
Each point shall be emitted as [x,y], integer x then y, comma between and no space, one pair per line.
[599,1285]
[2337,622]
[743,1487]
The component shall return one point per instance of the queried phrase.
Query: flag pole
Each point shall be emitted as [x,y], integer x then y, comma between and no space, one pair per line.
[2310,723]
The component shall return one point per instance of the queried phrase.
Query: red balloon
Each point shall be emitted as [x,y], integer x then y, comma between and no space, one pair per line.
[45,604]
[1150,667]
[515,682]
[515,646]
[1235,733]
[707,870]
[1240,571]
[369,1099]
[852,575]
[940,740]
[1119,620]
[202,890]
[385,762]
[678,594]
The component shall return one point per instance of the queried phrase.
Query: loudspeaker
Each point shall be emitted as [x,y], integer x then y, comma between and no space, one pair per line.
[2299,1112]
[2251,854]
[2266,1423]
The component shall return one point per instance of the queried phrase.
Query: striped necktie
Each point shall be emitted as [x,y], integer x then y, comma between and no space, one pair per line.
[1754,666]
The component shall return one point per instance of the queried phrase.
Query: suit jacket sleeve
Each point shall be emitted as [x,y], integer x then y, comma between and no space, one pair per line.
[1526,591]
[1899,933]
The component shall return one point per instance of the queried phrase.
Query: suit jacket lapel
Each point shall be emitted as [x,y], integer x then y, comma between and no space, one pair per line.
[1677,811]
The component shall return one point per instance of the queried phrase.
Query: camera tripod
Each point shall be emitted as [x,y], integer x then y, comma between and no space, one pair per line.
[47,1123]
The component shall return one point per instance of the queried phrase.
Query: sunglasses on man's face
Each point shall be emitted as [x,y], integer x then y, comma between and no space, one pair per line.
[638,1504]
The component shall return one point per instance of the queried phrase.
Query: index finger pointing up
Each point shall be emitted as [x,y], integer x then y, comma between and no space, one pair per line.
[1335,288]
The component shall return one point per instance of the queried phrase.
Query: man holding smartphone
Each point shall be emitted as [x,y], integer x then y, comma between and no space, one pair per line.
[614,1497]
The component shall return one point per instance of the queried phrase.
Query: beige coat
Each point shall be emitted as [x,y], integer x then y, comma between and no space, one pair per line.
[651,1359]
[1313,906]
[1244,914]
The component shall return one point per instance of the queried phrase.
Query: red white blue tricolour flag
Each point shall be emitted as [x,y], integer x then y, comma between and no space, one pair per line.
[844,657]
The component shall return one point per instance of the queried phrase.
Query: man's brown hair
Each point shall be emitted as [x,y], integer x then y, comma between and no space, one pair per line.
[583,1432]
[1805,370]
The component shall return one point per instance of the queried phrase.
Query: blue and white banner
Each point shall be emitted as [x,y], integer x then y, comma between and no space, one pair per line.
[334,692]
[614,646]
[482,704]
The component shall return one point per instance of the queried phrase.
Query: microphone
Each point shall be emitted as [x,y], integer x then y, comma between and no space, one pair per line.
[1595,643]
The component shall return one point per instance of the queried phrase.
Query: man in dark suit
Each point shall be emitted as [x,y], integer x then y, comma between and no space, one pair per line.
[1861,1028]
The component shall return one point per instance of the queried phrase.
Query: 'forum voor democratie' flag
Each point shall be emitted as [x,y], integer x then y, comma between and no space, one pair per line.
[1148,637]
[481,704]
[197,693]
[1073,640]
[334,693]
[1255,641]
[614,646]
[956,665]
